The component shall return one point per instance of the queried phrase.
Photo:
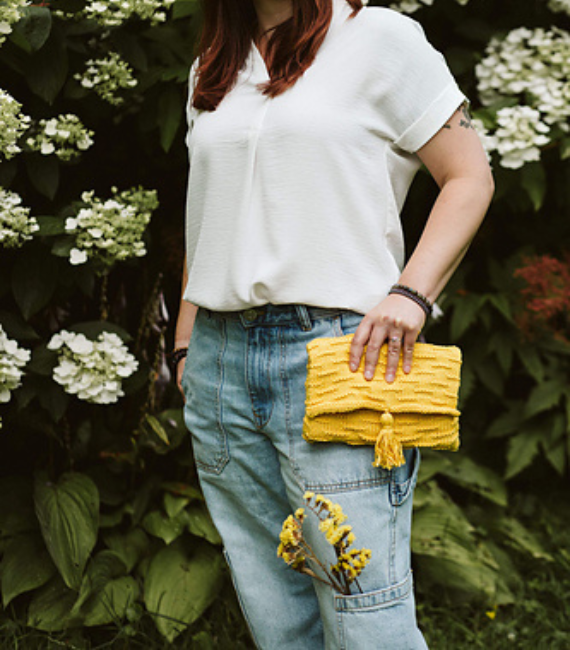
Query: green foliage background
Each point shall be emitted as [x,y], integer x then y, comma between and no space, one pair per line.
[101,521]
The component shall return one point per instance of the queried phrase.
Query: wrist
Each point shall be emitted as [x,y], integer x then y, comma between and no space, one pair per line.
[415,296]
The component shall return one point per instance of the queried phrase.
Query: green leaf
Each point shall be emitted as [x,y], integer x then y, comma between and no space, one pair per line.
[68,514]
[160,525]
[520,538]
[522,450]
[556,456]
[183,490]
[26,565]
[465,313]
[47,70]
[184,8]
[174,504]
[42,361]
[544,397]
[491,375]
[35,26]
[506,423]
[51,225]
[102,568]
[565,149]
[476,478]
[16,327]
[532,362]
[200,524]
[50,607]
[44,174]
[170,111]
[180,587]
[534,182]
[157,427]
[111,603]
[54,399]
[34,280]
[130,547]
[62,246]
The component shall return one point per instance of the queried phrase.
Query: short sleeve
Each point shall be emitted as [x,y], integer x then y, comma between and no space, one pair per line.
[419,91]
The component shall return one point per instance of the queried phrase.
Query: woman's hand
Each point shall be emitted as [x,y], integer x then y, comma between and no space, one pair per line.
[398,321]
[179,371]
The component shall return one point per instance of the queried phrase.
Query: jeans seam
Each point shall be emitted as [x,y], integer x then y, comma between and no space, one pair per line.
[287,404]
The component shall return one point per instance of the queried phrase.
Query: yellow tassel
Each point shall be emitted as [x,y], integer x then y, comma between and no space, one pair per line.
[388,449]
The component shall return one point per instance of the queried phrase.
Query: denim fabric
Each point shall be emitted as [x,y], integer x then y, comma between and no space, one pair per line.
[244,382]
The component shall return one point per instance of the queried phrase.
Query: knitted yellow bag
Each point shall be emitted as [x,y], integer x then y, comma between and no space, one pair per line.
[417,409]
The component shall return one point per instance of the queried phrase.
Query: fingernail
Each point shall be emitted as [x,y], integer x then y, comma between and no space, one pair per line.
[353,366]
[407,369]
[390,377]
[368,374]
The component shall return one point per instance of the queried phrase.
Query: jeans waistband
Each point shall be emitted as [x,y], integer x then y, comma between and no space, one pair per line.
[274,315]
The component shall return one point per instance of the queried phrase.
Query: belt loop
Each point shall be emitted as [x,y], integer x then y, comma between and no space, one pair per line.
[304,318]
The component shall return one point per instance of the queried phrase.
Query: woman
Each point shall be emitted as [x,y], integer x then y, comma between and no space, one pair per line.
[308,120]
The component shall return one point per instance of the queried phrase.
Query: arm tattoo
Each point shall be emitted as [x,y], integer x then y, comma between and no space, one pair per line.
[464,121]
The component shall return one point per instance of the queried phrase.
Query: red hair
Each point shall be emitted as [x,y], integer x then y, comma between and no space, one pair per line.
[228,30]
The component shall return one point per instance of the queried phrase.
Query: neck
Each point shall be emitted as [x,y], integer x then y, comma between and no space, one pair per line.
[271,13]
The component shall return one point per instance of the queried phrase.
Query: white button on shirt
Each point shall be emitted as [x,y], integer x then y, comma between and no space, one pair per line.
[297,198]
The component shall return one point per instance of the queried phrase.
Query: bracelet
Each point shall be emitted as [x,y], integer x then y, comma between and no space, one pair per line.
[412,294]
[177,355]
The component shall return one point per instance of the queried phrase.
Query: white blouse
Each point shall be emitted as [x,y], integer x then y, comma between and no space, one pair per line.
[297,199]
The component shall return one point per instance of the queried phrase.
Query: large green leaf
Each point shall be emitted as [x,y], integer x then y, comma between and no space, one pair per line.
[102,568]
[111,603]
[35,26]
[50,607]
[545,396]
[44,173]
[26,565]
[68,512]
[130,547]
[179,587]
[522,450]
[200,524]
[34,279]
[166,528]
[170,111]
[476,478]
[47,69]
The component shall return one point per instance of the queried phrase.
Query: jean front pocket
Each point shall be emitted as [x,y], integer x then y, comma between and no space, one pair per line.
[202,383]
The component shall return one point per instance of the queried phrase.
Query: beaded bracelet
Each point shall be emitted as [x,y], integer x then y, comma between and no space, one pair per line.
[412,294]
[176,356]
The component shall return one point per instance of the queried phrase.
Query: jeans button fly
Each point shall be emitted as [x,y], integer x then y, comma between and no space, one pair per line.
[250,315]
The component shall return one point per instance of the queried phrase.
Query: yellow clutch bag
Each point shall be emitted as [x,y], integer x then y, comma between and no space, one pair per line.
[417,409]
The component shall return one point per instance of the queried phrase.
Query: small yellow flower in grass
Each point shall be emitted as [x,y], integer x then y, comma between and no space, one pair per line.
[492,613]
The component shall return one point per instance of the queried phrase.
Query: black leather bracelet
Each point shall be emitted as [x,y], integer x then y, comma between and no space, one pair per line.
[412,294]
[176,356]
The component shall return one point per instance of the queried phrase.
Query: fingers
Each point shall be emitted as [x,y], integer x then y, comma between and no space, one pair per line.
[380,327]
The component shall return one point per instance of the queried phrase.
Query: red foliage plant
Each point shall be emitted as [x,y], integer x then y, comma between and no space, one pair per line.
[229,28]
[546,296]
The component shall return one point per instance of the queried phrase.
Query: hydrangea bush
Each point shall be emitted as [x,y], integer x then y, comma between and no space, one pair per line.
[12,359]
[92,370]
[63,136]
[12,124]
[107,77]
[10,14]
[111,230]
[16,225]
[113,13]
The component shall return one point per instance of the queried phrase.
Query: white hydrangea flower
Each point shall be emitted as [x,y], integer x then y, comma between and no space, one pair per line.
[409,6]
[532,65]
[12,124]
[520,134]
[92,370]
[112,13]
[10,14]
[107,76]
[111,230]
[16,226]
[560,6]
[12,359]
[64,135]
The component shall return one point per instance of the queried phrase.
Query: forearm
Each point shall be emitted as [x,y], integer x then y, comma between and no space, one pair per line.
[451,226]
[186,315]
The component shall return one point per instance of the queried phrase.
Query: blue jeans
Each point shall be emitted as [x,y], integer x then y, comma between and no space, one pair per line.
[244,382]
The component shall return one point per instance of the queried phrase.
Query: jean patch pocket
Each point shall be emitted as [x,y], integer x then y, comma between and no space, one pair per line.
[379,619]
[202,382]
[348,322]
